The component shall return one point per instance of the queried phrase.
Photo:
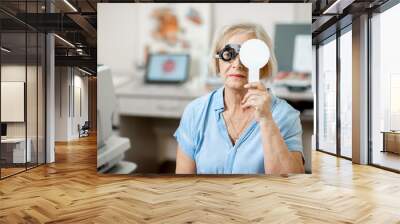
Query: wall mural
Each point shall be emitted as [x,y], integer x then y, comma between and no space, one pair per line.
[175,28]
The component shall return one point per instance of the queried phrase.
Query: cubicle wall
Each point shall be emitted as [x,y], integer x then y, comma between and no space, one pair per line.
[22,107]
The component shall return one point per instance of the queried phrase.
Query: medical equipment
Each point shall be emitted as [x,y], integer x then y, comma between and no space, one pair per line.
[254,54]
[229,52]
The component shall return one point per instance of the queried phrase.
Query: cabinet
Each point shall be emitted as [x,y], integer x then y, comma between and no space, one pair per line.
[13,151]
[391,141]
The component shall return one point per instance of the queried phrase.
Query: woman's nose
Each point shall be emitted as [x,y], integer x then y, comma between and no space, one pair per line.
[236,63]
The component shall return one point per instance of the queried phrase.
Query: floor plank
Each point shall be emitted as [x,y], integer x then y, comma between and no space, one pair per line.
[70,191]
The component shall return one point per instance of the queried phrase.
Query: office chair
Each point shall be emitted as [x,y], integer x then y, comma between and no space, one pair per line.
[84,130]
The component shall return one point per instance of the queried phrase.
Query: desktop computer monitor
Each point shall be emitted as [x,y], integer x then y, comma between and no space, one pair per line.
[3,130]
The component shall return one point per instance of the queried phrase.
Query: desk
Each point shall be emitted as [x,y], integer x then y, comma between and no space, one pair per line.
[155,100]
[391,141]
[149,115]
[13,150]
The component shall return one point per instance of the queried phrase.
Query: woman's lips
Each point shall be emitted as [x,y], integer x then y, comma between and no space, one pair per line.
[236,75]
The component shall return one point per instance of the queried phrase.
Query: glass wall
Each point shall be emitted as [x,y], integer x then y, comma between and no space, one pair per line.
[22,93]
[346,92]
[385,89]
[13,109]
[335,72]
[327,96]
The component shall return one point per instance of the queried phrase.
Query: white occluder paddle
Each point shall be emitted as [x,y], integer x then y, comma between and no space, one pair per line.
[254,54]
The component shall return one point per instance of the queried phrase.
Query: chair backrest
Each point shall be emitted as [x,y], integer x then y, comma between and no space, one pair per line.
[86,125]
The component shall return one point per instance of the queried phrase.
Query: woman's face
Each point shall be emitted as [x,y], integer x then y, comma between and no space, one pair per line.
[233,72]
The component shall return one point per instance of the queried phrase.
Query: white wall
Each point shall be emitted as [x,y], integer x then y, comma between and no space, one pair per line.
[62,81]
[16,73]
[12,73]
[118,36]
[66,121]
[83,83]
[33,126]
[80,118]
[268,15]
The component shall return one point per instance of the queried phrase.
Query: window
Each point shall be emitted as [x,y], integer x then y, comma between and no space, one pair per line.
[327,96]
[385,89]
[346,93]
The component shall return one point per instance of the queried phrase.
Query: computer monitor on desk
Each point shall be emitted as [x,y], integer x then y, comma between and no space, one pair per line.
[3,130]
[106,104]
[167,68]
[110,147]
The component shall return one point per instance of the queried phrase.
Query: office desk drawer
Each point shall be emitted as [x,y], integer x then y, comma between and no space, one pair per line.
[152,107]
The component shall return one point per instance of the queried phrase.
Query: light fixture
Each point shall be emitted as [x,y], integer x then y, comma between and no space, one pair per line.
[5,50]
[80,51]
[64,40]
[337,7]
[86,72]
[70,5]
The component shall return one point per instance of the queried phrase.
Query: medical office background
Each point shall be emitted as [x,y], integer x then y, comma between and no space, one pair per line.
[147,114]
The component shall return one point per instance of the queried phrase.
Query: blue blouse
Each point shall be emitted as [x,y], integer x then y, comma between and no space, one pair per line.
[203,136]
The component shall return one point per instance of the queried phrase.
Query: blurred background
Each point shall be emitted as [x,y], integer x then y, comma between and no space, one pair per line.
[139,110]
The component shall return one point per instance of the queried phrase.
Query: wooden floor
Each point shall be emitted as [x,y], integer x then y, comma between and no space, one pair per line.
[387,159]
[5,172]
[10,171]
[70,191]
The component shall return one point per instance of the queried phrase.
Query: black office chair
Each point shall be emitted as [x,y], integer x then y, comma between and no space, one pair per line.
[84,130]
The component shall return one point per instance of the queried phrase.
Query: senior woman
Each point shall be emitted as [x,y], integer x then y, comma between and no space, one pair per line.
[240,128]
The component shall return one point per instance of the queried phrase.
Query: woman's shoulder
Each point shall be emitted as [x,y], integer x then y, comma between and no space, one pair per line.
[282,109]
[287,118]
[202,102]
